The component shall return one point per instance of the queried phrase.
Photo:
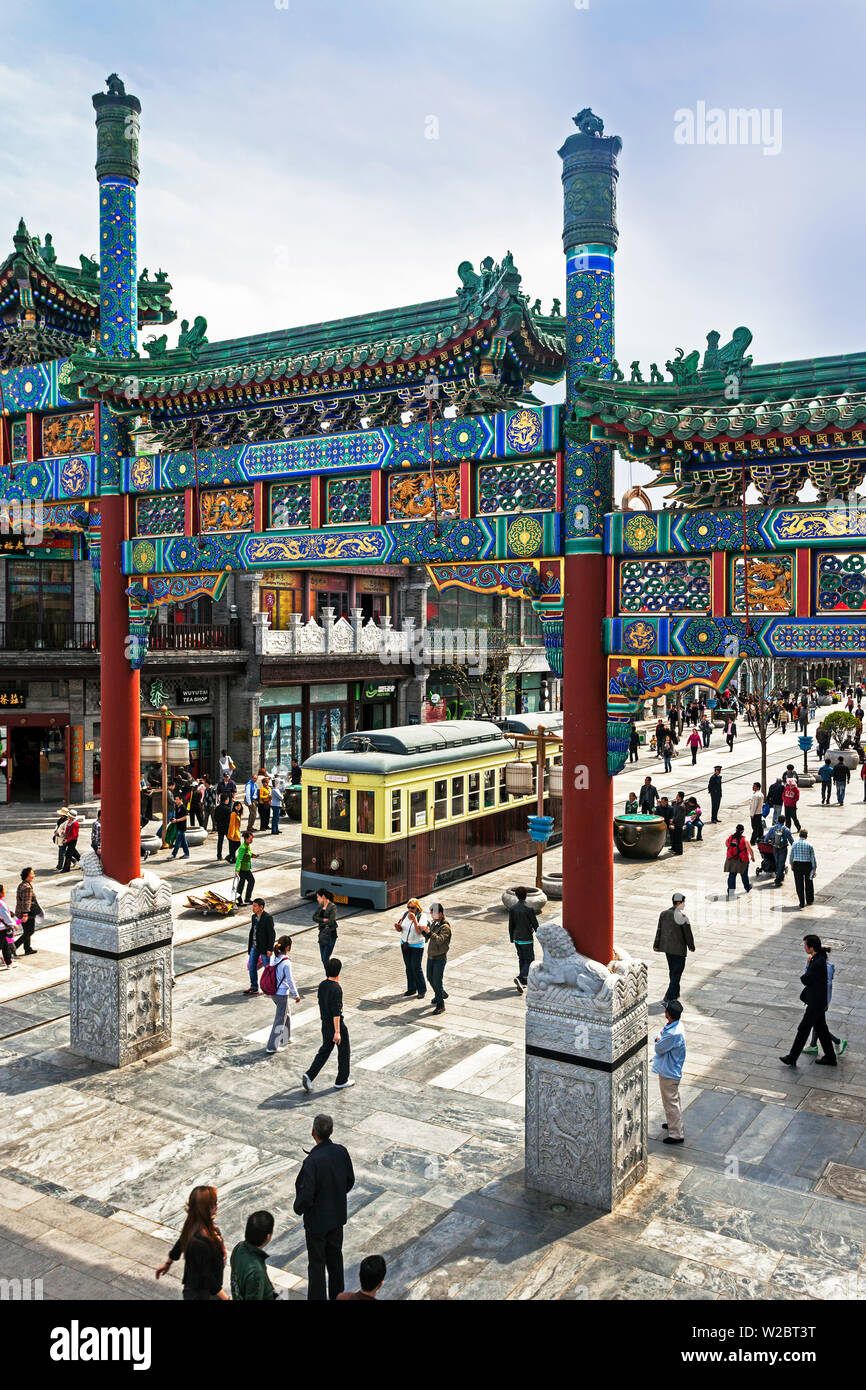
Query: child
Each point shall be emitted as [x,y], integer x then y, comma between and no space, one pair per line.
[234,834]
[840,1043]
[693,819]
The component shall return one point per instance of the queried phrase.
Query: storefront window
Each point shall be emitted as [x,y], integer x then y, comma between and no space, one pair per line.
[338,810]
[279,604]
[366,812]
[396,812]
[40,592]
[314,808]
[338,599]
[200,729]
[440,799]
[329,720]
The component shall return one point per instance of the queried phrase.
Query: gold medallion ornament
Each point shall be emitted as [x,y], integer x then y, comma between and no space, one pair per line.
[639,533]
[524,536]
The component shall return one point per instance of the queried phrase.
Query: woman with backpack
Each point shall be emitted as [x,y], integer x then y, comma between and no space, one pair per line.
[201,1246]
[276,980]
[738,856]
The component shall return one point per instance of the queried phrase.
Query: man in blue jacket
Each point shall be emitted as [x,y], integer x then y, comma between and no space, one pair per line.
[670,1054]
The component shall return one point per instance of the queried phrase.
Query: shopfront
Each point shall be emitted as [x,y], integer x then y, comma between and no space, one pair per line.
[298,720]
[34,755]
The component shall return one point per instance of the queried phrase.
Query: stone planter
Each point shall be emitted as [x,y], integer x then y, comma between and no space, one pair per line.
[151,843]
[852,762]
[534,898]
[639,837]
[552,885]
[805,779]
[824,700]
[196,837]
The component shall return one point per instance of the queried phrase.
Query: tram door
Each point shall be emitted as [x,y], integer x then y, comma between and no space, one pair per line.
[419,845]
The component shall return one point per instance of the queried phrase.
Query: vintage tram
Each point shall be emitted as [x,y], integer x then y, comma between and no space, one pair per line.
[398,813]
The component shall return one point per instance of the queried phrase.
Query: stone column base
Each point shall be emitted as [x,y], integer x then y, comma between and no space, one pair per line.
[586,1074]
[120,966]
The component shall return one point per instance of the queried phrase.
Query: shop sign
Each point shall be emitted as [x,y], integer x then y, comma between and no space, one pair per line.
[13,695]
[193,695]
[76,753]
[380,691]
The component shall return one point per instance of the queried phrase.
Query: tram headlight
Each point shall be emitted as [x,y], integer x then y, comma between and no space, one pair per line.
[335,864]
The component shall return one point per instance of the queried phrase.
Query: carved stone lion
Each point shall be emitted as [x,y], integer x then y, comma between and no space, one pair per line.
[564,966]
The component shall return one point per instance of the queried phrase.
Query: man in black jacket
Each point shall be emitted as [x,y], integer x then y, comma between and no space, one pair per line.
[648,797]
[674,937]
[221,817]
[775,796]
[522,926]
[334,1030]
[260,943]
[325,916]
[814,996]
[714,787]
[678,820]
[320,1197]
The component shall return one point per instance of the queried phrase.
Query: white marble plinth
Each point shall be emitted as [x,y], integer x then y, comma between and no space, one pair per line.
[586,1074]
[120,966]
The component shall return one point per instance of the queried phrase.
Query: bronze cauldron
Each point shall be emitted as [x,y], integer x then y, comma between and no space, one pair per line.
[639,837]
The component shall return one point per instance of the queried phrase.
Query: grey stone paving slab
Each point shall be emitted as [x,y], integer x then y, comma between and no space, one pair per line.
[834,1144]
[845,1181]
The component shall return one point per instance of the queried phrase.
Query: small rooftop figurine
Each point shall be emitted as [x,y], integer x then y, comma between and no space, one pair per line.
[587,123]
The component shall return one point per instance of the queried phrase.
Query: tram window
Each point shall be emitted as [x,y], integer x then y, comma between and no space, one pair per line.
[338,810]
[366,812]
[440,799]
[456,796]
[314,808]
[490,787]
[396,812]
[474,792]
[503,790]
[417,809]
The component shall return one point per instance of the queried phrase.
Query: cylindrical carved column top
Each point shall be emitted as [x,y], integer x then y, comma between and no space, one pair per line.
[117,130]
[589,176]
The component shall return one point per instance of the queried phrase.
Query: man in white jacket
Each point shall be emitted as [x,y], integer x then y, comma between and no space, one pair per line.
[756,807]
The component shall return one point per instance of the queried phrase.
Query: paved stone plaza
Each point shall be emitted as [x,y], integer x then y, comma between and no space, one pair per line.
[766,1198]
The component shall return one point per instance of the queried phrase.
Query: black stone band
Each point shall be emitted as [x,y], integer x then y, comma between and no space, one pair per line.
[120,955]
[591,1062]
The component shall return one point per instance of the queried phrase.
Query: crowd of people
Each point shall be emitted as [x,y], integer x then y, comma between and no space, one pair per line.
[323,1182]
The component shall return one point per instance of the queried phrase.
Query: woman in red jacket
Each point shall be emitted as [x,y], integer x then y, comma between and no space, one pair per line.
[738,857]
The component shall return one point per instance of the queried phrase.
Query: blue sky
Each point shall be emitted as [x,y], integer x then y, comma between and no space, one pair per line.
[286,176]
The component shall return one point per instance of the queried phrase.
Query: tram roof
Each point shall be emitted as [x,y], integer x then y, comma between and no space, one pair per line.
[550,721]
[411,745]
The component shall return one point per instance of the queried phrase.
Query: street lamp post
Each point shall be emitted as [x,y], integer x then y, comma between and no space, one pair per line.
[540,738]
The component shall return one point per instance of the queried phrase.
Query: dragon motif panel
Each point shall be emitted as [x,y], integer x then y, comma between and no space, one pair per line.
[410,495]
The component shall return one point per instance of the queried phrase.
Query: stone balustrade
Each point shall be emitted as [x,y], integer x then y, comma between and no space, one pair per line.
[350,636]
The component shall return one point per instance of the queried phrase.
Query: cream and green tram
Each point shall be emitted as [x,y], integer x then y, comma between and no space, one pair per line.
[393,814]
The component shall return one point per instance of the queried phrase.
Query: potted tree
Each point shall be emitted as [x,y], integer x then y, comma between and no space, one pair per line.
[841,726]
[824,687]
